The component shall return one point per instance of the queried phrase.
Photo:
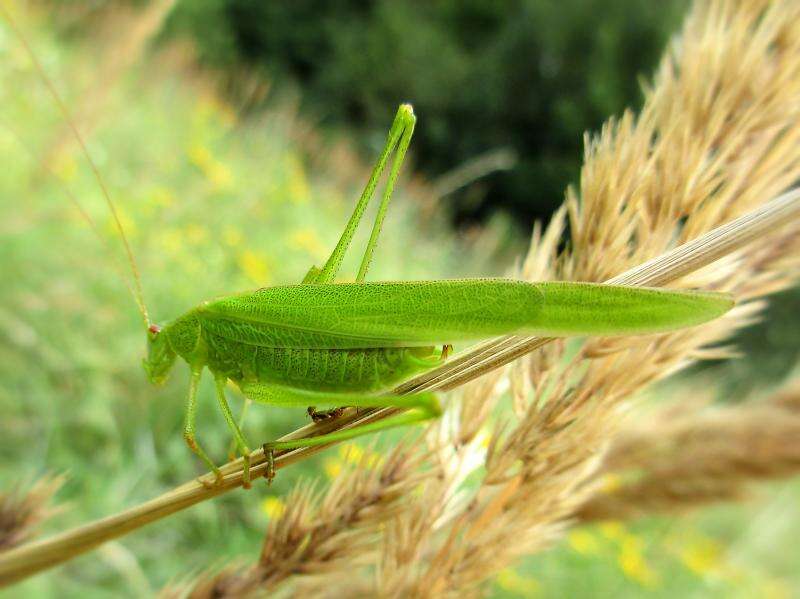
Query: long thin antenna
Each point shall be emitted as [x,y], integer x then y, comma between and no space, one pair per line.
[138,295]
[115,259]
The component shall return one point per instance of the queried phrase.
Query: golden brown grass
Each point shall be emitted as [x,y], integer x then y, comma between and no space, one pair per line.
[681,459]
[719,133]
[21,513]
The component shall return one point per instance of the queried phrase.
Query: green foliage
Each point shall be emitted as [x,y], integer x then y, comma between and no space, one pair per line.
[706,554]
[771,352]
[523,74]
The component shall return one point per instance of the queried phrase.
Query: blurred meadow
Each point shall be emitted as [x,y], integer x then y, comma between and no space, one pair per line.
[221,191]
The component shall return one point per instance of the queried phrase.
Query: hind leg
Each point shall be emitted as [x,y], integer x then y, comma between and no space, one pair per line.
[421,407]
[322,415]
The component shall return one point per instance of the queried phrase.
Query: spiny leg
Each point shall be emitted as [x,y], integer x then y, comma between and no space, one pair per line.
[421,407]
[189,426]
[242,415]
[401,129]
[241,444]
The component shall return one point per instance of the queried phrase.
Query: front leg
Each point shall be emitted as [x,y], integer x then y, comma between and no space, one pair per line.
[189,427]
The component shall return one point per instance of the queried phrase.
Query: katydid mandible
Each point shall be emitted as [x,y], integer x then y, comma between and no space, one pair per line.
[329,344]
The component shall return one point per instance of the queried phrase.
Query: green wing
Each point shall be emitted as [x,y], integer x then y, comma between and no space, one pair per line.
[415,313]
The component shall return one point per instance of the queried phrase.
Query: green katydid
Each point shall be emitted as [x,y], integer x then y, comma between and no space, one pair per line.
[330,344]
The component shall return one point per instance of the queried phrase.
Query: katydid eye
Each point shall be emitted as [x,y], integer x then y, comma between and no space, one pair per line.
[154,328]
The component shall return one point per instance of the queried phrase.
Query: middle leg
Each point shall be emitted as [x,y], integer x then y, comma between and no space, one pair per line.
[238,437]
[189,428]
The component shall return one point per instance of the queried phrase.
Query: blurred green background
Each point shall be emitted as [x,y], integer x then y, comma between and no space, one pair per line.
[234,137]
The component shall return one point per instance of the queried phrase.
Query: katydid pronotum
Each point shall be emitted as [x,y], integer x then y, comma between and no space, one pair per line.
[330,344]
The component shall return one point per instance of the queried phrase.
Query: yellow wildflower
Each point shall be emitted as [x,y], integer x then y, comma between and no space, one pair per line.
[613,530]
[610,483]
[333,467]
[128,224]
[162,197]
[232,236]
[273,506]
[308,240]
[631,543]
[633,564]
[216,172]
[220,175]
[195,233]
[583,542]
[351,453]
[255,267]
[511,580]
[298,184]
[702,556]
[200,156]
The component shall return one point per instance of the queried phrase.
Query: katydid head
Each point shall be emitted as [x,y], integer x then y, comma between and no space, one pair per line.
[160,355]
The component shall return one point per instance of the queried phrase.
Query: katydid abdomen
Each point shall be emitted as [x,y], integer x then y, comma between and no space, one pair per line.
[364,370]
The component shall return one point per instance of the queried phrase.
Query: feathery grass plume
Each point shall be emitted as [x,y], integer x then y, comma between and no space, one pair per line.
[719,129]
[684,459]
[322,534]
[719,133]
[22,512]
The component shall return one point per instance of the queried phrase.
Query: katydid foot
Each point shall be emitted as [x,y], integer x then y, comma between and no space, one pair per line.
[321,415]
[213,484]
[269,453]
[191,442]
